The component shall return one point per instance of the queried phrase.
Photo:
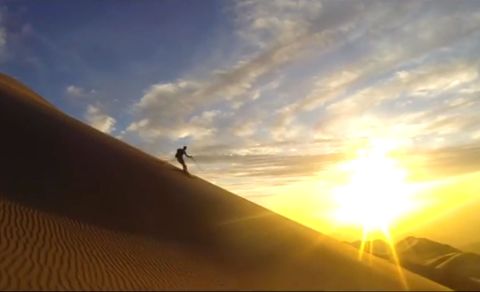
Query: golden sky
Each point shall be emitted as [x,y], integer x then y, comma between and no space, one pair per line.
[377,192]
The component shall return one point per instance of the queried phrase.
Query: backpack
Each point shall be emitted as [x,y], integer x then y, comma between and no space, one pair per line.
[179,153]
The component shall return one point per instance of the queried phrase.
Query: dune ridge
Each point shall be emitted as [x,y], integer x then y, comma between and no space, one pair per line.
[104,215]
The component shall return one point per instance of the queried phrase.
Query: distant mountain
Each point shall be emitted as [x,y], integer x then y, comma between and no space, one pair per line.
[422,250]
[439,262]
[472,247]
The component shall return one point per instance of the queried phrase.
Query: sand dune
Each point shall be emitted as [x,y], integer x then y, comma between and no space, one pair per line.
[42,251]
[472,247]
[443,263]
[439,262]
[82,210]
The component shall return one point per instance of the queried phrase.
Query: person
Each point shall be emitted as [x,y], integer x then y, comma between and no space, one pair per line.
[179,156]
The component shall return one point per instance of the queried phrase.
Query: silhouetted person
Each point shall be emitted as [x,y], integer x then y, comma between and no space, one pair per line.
[179,156]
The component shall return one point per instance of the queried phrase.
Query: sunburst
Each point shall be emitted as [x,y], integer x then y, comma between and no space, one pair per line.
[375,195]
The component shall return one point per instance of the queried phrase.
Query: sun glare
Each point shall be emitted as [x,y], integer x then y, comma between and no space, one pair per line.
[375,195]
[376,192]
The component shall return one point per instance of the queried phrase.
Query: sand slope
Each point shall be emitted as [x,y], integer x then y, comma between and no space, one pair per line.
[42,251]
[443,263]
[82,210]
[439,262]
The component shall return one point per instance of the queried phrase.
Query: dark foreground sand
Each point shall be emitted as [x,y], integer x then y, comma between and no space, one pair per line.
[82,210]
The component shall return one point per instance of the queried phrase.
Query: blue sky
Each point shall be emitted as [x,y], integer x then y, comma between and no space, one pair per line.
[275,92]
[96,45]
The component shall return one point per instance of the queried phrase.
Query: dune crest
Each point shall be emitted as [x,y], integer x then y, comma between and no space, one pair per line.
[82,210]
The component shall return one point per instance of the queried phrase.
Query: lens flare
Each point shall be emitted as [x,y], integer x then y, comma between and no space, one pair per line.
[375,194]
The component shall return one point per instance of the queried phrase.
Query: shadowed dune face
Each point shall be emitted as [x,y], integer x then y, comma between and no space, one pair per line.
[48,155]
[63,171]
[41,251]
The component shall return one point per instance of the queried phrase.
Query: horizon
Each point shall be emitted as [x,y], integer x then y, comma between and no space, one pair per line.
[294,105]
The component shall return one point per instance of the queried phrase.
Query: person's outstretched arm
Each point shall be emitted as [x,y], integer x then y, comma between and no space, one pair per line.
[189,156]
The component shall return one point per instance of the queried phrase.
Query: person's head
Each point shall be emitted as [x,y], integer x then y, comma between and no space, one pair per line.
[184,147]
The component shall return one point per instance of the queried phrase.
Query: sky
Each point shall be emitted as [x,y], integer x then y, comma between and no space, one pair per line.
[271,97]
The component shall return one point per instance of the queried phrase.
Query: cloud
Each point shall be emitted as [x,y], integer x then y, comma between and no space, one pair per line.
[99,120]
[261,169]
[3,36]
[442,162]
[265,22]
[313,79]
[475,135]
[420,81]
[3,39]
[76,91]
[427,81]
[167,110]
[169,107]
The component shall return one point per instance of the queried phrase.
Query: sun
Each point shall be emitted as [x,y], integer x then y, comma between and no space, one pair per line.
[375,195]
[376,192]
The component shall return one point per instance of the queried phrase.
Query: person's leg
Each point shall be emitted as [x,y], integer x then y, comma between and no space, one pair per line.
[184,165]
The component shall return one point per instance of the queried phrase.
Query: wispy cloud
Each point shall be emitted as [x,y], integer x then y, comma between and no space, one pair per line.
[96,118]
[264,23]
[443,162]
[3,35]
[77,91]
[94,112]
[336,72]
[168,109]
